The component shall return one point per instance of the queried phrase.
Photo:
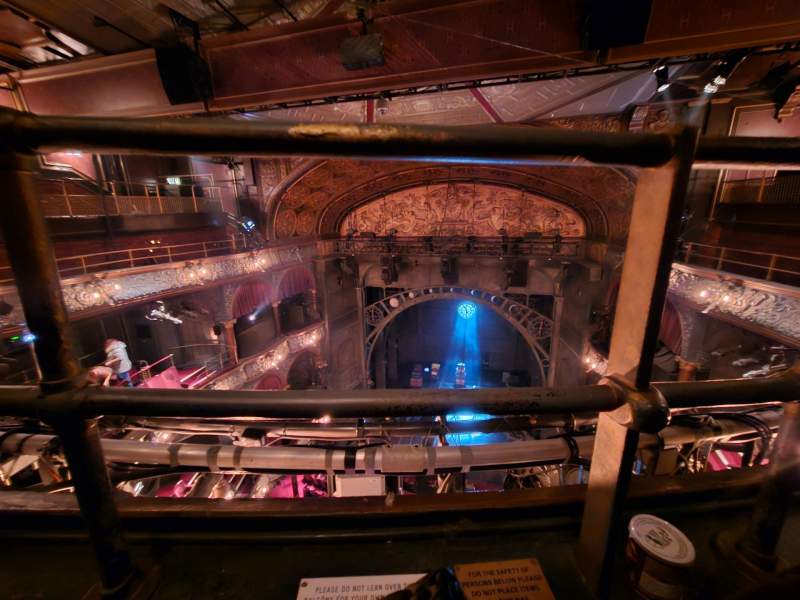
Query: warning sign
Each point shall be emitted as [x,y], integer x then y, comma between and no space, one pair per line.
[354,588]
[504,580]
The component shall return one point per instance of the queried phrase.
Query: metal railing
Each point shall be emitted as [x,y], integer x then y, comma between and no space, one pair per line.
[71,198]
[768,189]
[629,405]
[761,265]
[154,254]
[466,245]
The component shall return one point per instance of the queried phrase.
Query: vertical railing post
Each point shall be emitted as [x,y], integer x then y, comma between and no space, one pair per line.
[653,233]
[194,199]
[759,543]
[160,202]
[771,268]
[721,258]
[31,256]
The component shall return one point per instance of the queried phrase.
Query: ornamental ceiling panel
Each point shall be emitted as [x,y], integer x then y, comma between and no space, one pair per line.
[320,200]
[446,209]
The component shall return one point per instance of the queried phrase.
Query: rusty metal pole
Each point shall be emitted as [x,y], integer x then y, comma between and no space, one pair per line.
[31,256]
[652,237]
[759,542]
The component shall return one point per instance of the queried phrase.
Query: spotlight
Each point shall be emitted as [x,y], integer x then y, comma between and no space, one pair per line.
[28,338]
[662,78]
[722,72]
[252,318]
[382,106]
[467,310]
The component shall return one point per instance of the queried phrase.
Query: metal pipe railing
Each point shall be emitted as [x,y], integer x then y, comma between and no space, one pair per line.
[764,265]
[25,132]
[96,401]
[628,405]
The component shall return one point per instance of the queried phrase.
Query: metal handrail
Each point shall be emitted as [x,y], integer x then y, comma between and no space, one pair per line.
[119,198]
[721,258]
[154,254]
[64,403]
[96,401]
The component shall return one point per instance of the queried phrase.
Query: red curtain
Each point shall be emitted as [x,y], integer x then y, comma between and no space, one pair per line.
[270,381]
[670,332]
[295,281]
[250,296]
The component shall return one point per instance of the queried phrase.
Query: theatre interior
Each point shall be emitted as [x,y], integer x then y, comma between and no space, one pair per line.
[405,299]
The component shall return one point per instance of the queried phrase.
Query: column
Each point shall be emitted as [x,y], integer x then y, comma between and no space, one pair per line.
[276,314]
[687,369]
[230,341]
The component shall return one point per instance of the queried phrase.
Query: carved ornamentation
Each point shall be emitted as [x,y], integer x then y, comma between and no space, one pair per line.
[274,358]
[117,287]
[464,209]
[606,123]
[539,327]
[332,189]
[374,314]
[762,306]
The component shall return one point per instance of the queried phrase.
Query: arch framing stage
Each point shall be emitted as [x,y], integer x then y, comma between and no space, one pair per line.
[535,328]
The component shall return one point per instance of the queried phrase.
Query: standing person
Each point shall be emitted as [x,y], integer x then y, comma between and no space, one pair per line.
[117,359]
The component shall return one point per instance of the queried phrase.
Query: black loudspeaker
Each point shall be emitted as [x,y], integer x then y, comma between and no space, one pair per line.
[362,52]
[185,76]
[614,23]
[449,269]
[517,274]
[389,272]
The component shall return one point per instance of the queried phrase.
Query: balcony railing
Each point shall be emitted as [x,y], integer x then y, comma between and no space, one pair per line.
[760,265]
[769,189]
[73,198]
[71,266]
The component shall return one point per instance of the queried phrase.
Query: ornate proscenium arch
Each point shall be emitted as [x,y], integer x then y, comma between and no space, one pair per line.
[535,328]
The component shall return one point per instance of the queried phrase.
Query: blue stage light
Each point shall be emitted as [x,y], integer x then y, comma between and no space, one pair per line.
[467,310]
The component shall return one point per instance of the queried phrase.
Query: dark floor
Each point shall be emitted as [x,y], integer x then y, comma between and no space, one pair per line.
[197,565]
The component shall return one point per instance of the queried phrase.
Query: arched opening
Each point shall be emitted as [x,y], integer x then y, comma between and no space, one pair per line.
[303,372]
[270,381]
[255,322]
[298,299]
[452,343]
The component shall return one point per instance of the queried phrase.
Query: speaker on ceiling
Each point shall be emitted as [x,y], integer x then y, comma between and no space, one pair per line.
[362,52]
[185,76]
[449,270]
[517,274]
[613,23]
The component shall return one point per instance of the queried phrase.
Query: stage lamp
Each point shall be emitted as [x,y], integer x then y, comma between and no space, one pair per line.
[662,78]
[467,310]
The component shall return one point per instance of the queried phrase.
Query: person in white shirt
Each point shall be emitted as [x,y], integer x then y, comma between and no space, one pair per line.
[117,358]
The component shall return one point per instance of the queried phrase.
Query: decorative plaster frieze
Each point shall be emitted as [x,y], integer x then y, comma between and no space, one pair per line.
[274,358]
[125,285]
[768,307]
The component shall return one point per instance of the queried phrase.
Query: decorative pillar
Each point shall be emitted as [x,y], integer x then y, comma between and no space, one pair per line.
[362,338]
[276,314]
[230,341]
[693,333]
[555,339]
[687,370]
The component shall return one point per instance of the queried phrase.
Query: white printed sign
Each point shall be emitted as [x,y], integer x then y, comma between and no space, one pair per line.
[372,587]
